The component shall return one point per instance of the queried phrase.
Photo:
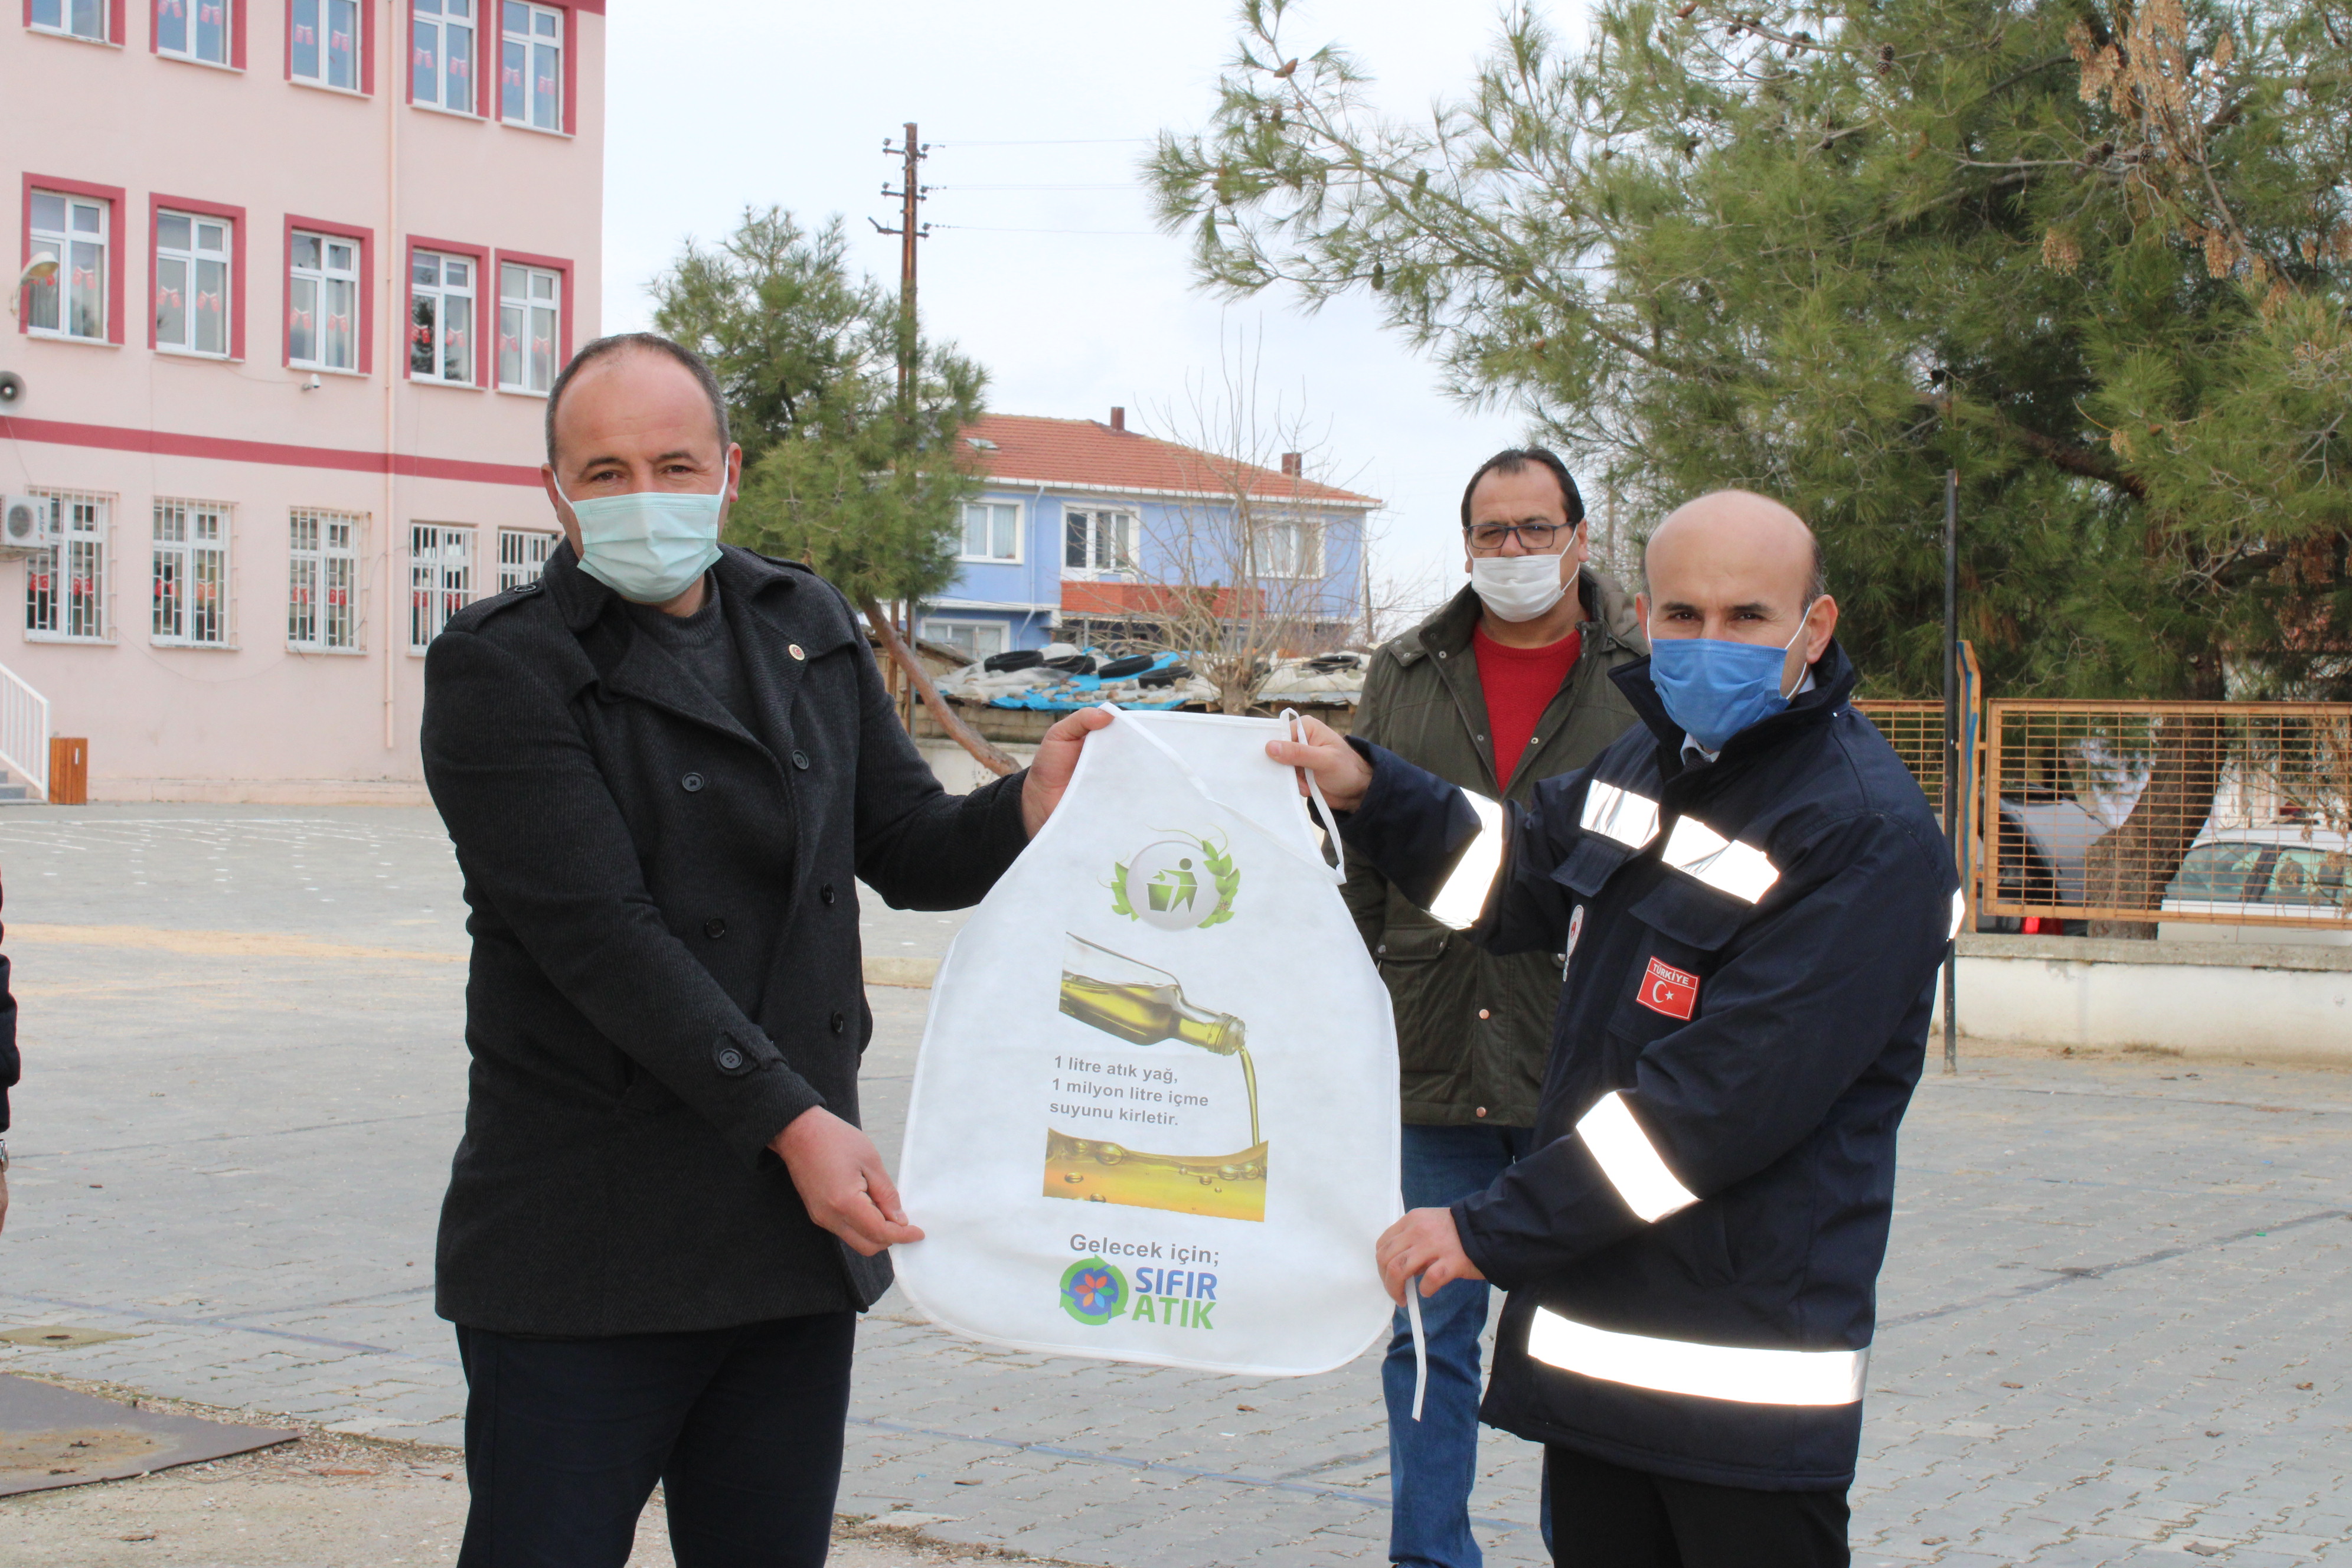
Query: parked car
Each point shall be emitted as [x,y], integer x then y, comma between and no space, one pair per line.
[2043,846]
[2272,872]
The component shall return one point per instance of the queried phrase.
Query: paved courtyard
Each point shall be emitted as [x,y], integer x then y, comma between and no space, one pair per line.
[2114,1327]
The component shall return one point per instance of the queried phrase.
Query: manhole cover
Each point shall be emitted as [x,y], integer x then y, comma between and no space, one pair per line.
[60,1336]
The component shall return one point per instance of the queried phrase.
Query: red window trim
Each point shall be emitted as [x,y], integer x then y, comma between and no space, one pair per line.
[367,88]
[556,263]
[158,204]
[112,195]
[237,10]
[118,25]
[490,77]
[366,239]
[486,302]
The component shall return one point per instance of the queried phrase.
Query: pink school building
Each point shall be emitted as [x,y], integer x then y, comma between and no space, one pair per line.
[295,276]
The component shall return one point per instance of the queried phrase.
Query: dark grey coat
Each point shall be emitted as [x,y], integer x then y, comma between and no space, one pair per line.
[666,966]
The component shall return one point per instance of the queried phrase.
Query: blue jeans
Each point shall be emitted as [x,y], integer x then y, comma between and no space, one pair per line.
[1433,1461]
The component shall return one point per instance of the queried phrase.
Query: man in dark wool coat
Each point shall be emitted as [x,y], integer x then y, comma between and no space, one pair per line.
[665,765]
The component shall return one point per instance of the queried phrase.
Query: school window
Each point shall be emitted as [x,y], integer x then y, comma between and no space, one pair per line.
[191,573]
[323,582]
[531,65]
[77,19]
[975,640]
[193,29]
[192,262]
[70,302]
[530,300]
[324,42]
[1289,547]
[66,586]
[1095,539]
[441,54]
[992,532]
[522,554]
[440,579]
[322,302]
[441,318]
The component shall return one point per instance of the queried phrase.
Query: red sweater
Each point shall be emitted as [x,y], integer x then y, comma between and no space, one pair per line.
[1520,683]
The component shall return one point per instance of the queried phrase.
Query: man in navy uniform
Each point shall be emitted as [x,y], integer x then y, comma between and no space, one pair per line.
[1753,896]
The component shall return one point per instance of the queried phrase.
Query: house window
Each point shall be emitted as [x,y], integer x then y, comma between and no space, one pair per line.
[71,301]
[530,66]
[441,54]
[1289,547]
[191,261]
[191,573]
[441,318]
[529,299]
[322,302]
[523,553]
[78,19]
[66,588]
[324,42]
[193,29]
[440,579]
[323,582]
[975,640]
[992,532]
[1094,539]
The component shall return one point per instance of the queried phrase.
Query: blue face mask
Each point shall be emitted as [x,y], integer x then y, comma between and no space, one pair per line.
[649,546]
[1715,690]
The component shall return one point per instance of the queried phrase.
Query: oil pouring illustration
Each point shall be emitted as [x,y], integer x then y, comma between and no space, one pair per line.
[1144,1005]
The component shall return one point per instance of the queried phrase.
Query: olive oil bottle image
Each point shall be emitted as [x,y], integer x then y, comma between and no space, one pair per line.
[1144,1005]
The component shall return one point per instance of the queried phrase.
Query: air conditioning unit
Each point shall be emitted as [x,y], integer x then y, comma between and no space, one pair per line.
[27,523]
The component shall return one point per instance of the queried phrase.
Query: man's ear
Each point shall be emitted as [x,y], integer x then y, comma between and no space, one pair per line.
[1820,624]
[734,471]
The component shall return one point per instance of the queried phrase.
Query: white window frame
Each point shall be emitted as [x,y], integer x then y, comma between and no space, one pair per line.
[324,551]
[191,259]
[66,284]
[523,555]
[1123,556]
[523,52]
[1308,529]
[82,558]
[318,18]
[518,313]
[321,279]
[440,578]
[439,294]
[63,28]
[940,631]
[191,16]
[987,522]
[431,26]
[192,540]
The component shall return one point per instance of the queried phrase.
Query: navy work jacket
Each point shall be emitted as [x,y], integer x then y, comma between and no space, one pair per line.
[1750,945]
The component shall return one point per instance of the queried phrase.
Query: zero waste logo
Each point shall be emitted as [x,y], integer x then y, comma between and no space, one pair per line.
[1177,883]
[1093,1291]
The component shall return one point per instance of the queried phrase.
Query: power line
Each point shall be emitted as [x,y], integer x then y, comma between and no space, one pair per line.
[982,228]
[1114,185]
[1062,141]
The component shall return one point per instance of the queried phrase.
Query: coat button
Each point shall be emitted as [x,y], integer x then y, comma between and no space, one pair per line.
[825,894]
[731,1058]
[714,927]
[1381,950]
[1440,653]
[839,1021]
[690,783]
[800,761]
[1484,1013]
[1482,1111]
[795,651]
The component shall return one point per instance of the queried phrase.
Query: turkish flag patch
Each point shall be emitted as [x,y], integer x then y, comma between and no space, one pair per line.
[1668,989]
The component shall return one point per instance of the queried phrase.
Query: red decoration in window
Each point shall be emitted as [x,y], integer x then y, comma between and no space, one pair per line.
[206,14]
[168,297]
[207,301]
[299,319]
[305,34]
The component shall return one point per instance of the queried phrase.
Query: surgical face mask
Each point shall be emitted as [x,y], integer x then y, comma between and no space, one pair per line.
[1518,587]
[648,546]
[1715,690]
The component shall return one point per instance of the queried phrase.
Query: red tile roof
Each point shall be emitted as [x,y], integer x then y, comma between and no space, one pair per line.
[1087,453]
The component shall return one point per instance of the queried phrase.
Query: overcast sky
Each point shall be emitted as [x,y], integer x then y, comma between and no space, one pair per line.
[1045,265]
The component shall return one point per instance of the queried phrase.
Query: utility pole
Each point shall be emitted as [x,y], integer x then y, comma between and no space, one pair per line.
[1952,759]
[909,192]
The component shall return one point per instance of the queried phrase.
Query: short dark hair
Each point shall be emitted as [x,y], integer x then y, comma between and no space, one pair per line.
[1510,460]
[646,342]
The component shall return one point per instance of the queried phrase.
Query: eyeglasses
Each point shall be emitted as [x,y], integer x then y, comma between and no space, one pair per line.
[1534,536]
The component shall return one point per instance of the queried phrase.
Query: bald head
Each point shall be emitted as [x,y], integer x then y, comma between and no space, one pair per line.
[1736,566]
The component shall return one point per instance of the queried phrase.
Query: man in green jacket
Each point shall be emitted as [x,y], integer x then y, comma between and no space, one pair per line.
[1507,684]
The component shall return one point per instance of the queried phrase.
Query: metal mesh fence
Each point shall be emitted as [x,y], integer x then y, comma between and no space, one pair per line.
[2169,812]
[1915,729]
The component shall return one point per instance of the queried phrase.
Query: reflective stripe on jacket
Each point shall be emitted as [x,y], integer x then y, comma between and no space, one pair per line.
[1691,1252]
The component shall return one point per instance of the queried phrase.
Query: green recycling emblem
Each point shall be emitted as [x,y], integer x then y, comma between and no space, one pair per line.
[1178,883]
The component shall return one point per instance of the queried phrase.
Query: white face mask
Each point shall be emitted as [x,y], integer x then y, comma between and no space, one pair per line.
[1518,587]
[648,546]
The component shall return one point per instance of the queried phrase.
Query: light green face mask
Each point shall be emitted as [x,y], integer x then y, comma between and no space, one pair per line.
[648,546]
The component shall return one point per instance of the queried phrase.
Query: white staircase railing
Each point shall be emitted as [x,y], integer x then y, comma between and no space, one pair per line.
[24,732]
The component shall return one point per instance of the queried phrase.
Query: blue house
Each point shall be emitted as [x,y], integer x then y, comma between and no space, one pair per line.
[1088,532]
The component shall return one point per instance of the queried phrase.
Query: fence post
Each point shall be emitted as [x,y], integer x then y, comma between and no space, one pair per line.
[1953,828]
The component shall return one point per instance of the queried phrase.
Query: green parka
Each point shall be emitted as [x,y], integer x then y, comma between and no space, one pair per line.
[1473,1029]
